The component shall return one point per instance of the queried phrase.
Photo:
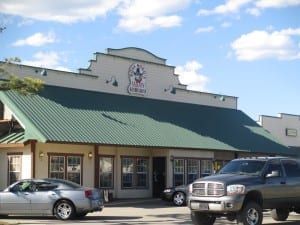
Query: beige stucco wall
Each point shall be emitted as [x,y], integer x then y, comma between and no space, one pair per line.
[118,152]
[278,126]
[88,172]
[159,77]
[88,164]
[26,163]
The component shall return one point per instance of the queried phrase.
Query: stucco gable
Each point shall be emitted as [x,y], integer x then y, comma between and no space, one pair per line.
[136,53]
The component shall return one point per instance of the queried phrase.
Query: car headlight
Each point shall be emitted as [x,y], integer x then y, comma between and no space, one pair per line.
[235,189]
[167,190]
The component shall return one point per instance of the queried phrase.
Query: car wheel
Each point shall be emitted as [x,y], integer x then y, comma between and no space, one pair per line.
[199,218]
[280,214]
[179,198]
[64,210]
[251,214]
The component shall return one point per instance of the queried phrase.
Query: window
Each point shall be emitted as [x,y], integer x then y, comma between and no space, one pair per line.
[185,171]
[178,172]
[141,172]
[291,168]
[192,170]
[206,167]
[135,172]
[14,168]
[74,169]
[274,167]
[57,167]
[106,172]
[66,167]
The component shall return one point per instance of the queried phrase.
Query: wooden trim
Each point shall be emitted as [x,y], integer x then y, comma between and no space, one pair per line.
[96,169]
[14,153]
[15,145]
[33,155]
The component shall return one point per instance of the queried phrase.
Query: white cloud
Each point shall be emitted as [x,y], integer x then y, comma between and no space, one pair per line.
[205,29]
[135,15]
[37,39]
[226,25]
[141,15]
[254,11]
[276,3]
[133,24]
[261,44]
[255,6]
[189,75]
[231,6]
[49,60]
[63,11]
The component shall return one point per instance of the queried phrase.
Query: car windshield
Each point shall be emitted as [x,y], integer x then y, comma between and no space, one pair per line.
[249,167]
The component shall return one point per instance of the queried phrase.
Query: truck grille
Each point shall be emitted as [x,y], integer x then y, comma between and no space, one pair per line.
[208,189]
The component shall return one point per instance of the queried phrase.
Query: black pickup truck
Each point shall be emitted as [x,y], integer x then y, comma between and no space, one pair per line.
[246,187]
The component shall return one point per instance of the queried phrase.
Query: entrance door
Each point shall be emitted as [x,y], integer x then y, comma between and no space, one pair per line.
[159,176]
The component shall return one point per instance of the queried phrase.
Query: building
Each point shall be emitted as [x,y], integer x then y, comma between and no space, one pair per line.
[124,124]
[285,127]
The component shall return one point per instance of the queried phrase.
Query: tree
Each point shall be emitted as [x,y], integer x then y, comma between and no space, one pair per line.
[25,86]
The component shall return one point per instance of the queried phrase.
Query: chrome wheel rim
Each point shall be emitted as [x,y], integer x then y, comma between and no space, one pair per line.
[178,199]
[252,216]
[64,210]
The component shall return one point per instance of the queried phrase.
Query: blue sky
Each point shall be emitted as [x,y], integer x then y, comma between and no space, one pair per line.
[244,48]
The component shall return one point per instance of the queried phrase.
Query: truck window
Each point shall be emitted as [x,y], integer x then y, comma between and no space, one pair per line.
[291,168]
[274,166]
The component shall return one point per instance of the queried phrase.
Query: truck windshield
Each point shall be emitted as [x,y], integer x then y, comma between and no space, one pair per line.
[249,167]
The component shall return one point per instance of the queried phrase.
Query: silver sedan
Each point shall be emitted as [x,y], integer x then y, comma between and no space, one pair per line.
[61,198]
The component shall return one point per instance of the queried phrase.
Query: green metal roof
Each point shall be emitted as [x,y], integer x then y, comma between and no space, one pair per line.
[13,138]
[59,114]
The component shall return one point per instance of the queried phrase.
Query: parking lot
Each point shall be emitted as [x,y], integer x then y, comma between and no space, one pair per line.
[135,212]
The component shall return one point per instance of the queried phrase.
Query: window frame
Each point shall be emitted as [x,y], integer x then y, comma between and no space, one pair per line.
[185,171]
[112,171]
[134,173]
[65,169]
[9,156]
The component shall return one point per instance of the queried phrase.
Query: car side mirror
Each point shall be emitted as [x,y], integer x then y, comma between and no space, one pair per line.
[274,173]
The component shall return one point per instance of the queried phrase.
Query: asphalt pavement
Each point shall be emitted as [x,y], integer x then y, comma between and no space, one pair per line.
[134,212]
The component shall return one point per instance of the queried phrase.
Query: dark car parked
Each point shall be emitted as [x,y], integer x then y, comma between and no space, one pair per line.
[177,195]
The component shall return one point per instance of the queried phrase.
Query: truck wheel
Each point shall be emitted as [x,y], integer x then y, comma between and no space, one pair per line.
[280,214]
[251,214]
[179,199]
[199,218]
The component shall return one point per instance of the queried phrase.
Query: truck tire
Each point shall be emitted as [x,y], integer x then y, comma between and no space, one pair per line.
[200,218]
[251,214]
[280,214]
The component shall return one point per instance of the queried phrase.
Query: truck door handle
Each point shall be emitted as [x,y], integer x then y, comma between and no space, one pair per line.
[282,182]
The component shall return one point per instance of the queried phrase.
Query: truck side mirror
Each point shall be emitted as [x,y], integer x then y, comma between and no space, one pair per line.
[274,173]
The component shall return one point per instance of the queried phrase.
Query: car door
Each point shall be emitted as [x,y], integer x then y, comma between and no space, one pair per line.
[43,198]
[274,185]
[16,200]
[292,171]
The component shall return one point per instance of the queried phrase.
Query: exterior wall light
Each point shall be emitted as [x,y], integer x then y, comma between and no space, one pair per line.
[171,158]
[171,89]
[113,81]
[90,155]
[41,154]
[220,97]
[42,72]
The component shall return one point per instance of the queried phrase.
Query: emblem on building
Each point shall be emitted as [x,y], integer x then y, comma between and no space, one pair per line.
[137,79]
